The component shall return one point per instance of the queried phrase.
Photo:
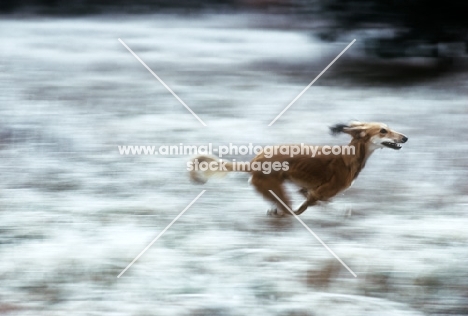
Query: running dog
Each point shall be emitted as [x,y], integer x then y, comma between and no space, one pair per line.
[319,176]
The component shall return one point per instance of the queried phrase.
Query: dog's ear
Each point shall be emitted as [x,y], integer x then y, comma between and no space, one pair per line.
[338,128]
[355,129]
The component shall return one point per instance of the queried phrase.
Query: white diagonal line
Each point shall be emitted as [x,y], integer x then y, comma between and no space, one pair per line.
[162,82]
[161,233]
[313,234]
[310,84]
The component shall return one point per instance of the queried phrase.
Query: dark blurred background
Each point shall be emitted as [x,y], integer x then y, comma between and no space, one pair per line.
[396,28]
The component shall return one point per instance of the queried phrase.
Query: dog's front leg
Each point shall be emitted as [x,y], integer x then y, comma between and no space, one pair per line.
[310,201]
[303,192]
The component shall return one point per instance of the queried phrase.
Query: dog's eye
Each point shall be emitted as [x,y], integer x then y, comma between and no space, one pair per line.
[383,131]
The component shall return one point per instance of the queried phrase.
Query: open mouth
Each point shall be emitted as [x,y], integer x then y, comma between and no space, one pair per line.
[392,145]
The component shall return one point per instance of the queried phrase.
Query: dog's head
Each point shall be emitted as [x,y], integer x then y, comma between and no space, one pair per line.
[378,135]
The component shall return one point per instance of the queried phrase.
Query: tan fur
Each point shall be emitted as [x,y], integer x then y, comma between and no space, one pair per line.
[320,177]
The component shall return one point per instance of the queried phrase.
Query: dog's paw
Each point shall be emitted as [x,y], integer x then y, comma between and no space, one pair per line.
[274,213]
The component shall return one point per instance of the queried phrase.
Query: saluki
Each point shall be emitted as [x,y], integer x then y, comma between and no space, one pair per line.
[320,176]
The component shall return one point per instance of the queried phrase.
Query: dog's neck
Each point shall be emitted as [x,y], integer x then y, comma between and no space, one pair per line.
[362,152]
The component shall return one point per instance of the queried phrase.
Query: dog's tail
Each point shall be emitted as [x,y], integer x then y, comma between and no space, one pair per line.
[203,168]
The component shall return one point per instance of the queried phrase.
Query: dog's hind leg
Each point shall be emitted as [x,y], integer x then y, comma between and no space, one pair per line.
[264,185]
